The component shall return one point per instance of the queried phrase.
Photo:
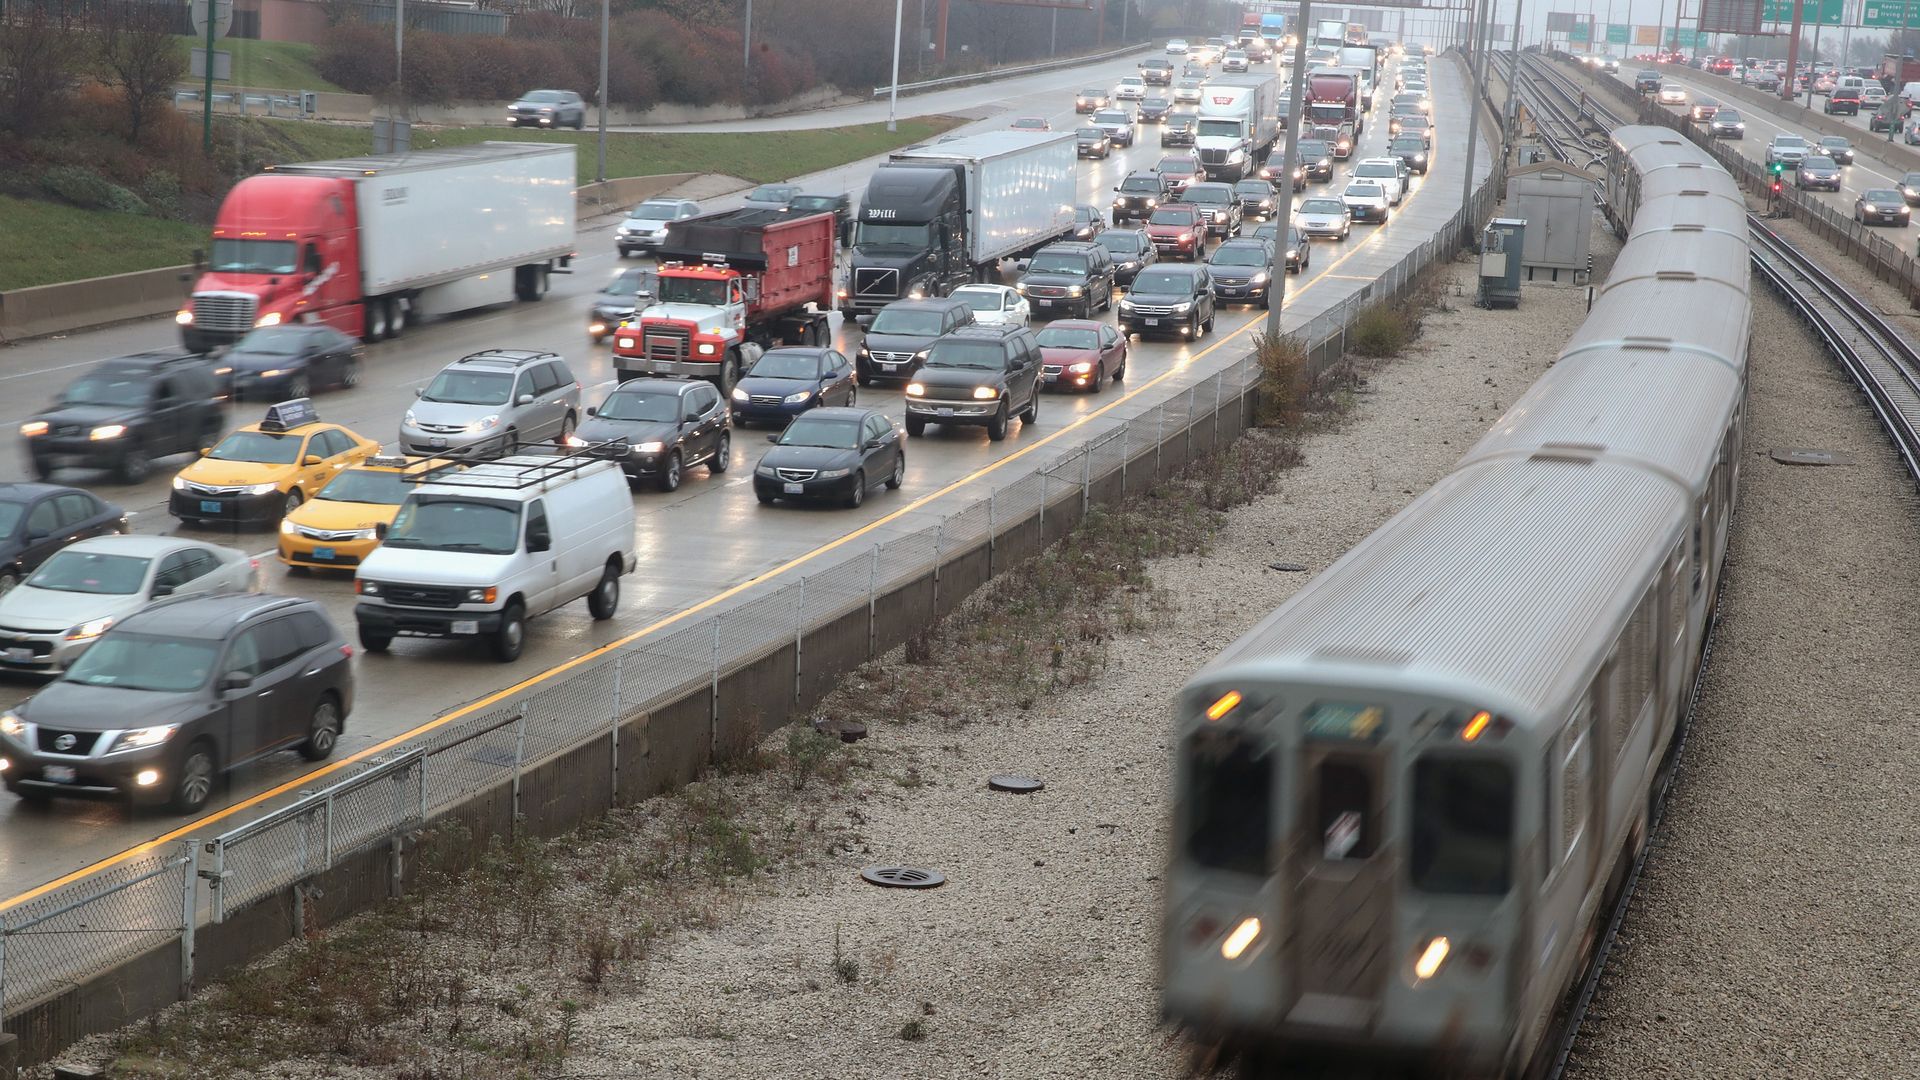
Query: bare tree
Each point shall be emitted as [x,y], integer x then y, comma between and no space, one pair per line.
[138,57]
[43,53]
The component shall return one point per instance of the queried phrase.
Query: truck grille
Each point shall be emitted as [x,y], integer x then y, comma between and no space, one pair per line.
[223,311]
[428,596]
[876,281]
[1049,291]
[1213,157]
[665,341]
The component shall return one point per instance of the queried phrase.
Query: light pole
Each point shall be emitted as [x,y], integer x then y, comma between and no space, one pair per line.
[746,45]
[1478,72]
[606,18]
[1296,104]
[893,91]
[1506,116]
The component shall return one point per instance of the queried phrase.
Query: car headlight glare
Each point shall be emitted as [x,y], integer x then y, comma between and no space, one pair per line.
[797,398]
[1183,305]
[484,423]
[625,342]
[708,348]
[915,389]
[985,393]
[651,446]
[108,431]
[831,474]
[184,317]
[259,489]
[12,726]
[740,394]
[139,738]
[286,527]
[271,318]
[1260,278]
[87,631]
[576,441]
[33,427]
[1080,369]
[1075,290]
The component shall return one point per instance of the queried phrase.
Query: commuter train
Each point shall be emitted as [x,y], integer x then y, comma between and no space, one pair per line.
[1404,799]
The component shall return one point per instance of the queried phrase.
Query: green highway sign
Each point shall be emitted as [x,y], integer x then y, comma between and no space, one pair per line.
[1890,13]
[1619,33]
[1831,12]
[1579,32]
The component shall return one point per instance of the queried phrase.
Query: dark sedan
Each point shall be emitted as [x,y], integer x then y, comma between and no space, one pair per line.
[1881,206]
[1817,172]
[1299,250]
[630,290]
[840,206]
[786,382]
[1132,252]
[1316,159]
[1727,124]
[280,363]
[37,520]
[1910,188]
[834,454]
[1257,199]
[1093,142]
[1155,109]
[1836,147]
[669,426]
[1081,354]
[1242,271]
[1412,150]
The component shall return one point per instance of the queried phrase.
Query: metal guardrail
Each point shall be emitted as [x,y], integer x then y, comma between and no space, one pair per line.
[1004,73]
[299,106]
[64,938]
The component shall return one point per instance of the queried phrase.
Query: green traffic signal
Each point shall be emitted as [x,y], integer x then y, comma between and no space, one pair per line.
[1778,167]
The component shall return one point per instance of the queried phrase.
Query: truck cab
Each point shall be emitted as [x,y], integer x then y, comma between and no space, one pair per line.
[283,250]
[910,239]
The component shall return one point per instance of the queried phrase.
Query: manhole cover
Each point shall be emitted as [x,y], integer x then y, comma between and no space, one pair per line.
[903,877]
[1019,785]
[1798,456]
[1287,567]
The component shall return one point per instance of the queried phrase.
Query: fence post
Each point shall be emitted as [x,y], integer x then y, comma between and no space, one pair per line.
[613,738]
[326,832]
[713,688]
[938,532]
[1086,479]
[218,882]
[395,872]
[189,901]
[1042,474]
[4,933]
[1126,433]
[873,601]
[1159,437]
[1219,388]
[993,533]
[519,751]
[1192,400]
[799,637]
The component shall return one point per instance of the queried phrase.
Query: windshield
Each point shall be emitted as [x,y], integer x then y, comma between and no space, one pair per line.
[1414,145]
[544,96]
[1226,129]
[979,299]
[253,256]
[980,355]
[913,322]
[1834,143]
[1206,193]
[1313,148]
[1239,256]
[814,431]
[105,390]
[378,486]
[1055,337]
[453,524]
[1115,117]
[1177,166]
[273,341]
[469,388]
[1259,189]
[1146,185]
[1120,242]
[1462,826]
[1172,215]
[1364,191]
[1163,281]
[265,448]
[1093,92]
[871,235]
[1881,195]
[787,365]
[770,193]
[637,405]
[1155,103]
[629,283]
[655,211]
[91,572]
[1093,134]
[702,291]
[1819,163]
[145,662]
[1044,263]
[1376,170]
[813,202]
[1789,140]
[1726,116]
[1323,206]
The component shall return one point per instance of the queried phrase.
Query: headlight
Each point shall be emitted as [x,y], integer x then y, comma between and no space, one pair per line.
[596,328]
[831,474]
[1080,369]
[625,343]
[407,419]
[707,348]
[109,431]
[483,423]
[12,726]
[1074,290]
[1260,278]
[87,631]
[740,394]
[765,470]
[1292,254]
[1020,287]
[575,440]
[365,587]
[286,527]
[985,393]
[795,399]
[33,427]
[271,318]
[1183,305]
[179,483]
[652,446]
[184,317]
[1151,203]
[259,489]
[1126,305]
[143,737]
[482,595]
[915,389]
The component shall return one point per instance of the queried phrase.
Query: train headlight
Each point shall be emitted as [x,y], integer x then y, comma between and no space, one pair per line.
[1432,958]
[1241,939]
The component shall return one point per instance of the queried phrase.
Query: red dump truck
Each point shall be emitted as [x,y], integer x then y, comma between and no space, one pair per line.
[731,285]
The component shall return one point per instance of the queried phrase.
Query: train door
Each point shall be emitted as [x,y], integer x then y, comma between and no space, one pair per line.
[1566,782]
[1343,885]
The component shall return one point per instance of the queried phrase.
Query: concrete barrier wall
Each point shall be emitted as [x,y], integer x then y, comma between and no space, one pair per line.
[54,309]
[829,652]
[960,574]
[362,108]
[1897,154]
[621,193]
[902,613]
[754,699]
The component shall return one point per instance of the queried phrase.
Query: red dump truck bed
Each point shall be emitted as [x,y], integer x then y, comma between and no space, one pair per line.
[790,255]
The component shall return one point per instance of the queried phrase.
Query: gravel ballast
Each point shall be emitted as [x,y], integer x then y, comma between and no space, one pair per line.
[1777,931]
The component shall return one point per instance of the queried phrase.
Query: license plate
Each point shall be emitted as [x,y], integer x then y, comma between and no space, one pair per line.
[466,626]
[891,367]
[437,441]
[795,489]
[946,412]
[209,506]
[323,553]
[59,774]
[20,656]
[1151,322]
[1044,303]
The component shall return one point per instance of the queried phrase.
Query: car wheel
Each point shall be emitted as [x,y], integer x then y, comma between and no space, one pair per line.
[134,466]
[765,497]
[350,377]
[604,600]
[997,427]
[723,454]
[299,387]
[1207,327]
[194,786]
[323,732]
[293,502]
[853,396]
[899,472]
[512,635]
[859,493]
[1099,378]
[375,642]
[670,474]
[866,380]
[42,469]
[916,427]
[1032,414]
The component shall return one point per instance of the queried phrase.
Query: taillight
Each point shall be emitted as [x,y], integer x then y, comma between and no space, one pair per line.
[346,651]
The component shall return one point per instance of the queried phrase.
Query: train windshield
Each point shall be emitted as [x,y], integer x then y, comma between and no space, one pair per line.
[1462,825]
[1229,786]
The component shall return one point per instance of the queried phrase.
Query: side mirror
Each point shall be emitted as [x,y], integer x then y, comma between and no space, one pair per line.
[865,321]
[207,450]
[593,410]
[539,540]
[380,530]
[875,444]
[162,590]
[311,459]
[235,681]
[524,399]
[419,391]
[775,439]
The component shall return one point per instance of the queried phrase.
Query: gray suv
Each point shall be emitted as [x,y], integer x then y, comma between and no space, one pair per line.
[981,376]
[492,402]
[548,109]
[898,338]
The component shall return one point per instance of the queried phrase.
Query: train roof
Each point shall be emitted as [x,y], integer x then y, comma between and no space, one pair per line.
[1509,579]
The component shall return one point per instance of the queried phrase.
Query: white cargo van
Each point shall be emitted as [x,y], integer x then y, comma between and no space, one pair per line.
[477,553]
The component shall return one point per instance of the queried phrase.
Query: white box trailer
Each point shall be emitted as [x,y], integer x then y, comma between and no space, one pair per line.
[1239,121]
[1021,188]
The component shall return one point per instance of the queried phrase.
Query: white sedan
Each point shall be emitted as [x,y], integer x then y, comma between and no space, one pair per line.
[995,305]
[1673,95]
[1366,201]
[1177,47]
[1131,88]
[72,598]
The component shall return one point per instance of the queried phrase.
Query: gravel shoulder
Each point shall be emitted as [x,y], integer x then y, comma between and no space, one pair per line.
[1776,933]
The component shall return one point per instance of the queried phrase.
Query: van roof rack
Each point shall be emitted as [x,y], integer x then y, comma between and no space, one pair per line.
[516,471]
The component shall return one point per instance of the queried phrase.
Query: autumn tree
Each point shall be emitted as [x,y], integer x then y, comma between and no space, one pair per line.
[138,58]
[42,52]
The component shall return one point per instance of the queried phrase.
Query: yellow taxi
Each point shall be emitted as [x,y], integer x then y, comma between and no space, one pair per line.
[337,527]
[262,471]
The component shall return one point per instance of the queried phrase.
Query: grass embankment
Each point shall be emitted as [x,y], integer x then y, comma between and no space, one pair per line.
[47,242]
[265,65]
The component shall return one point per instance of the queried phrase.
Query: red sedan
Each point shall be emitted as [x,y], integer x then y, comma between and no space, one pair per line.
[1081,354]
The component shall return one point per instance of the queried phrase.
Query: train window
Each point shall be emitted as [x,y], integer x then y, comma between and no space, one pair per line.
[1345,811]
[1229,791]
[1462,826]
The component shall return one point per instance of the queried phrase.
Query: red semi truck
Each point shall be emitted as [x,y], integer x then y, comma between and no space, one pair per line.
[366,245]
[1333,98]
[731,285]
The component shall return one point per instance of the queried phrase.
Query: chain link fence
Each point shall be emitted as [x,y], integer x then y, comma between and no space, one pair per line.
[87,927]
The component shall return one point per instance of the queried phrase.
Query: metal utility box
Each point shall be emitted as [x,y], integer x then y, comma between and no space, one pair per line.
[1556,202]
[1500,258]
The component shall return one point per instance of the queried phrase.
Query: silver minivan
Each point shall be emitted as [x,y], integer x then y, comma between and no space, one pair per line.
[492,402]
[646,224]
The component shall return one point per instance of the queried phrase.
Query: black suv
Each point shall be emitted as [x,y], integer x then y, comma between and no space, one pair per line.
[901,333]
[1316,159]
[1218,205]
[178,693]
[1179,130]
[671,425]
[37,520]
[1068,278]
[1136,197]
[1647,82]
[1132,251]
[128,411]
[1156,72]
[980,376]
[1175,300]
[1242,270]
